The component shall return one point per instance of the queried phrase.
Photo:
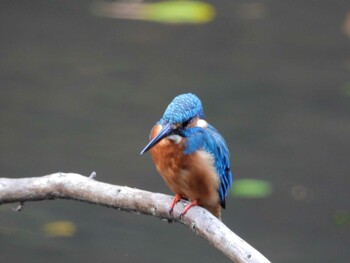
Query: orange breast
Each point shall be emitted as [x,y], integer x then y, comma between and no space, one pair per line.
[193,176]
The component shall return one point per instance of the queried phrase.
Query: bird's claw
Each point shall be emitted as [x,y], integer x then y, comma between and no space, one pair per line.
[171,211]
[187,207]
[175,200]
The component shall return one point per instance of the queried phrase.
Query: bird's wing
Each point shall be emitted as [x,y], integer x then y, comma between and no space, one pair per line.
[212,142]
[216,145]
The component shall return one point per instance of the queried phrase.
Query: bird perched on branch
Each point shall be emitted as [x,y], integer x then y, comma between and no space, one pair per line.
[191,156]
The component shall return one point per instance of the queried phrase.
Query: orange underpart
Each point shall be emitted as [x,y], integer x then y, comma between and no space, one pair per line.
[192,176]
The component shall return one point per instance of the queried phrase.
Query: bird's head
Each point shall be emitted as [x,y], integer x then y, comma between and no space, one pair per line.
[177,116]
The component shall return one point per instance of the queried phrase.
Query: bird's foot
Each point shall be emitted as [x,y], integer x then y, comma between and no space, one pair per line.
[187,207]
[176,199]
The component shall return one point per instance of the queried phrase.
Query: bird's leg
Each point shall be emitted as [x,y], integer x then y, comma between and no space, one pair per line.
[176,199]
[187,207]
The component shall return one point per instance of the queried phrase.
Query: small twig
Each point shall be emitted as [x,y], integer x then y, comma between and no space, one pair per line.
[19,208]
[93,175]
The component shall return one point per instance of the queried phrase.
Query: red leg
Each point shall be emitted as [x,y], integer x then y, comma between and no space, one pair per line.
[187,207]
[176,199]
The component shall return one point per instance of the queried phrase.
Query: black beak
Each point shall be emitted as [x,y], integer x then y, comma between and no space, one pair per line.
[164,132]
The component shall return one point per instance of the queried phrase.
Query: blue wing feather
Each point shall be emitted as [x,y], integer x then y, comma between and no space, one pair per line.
[211,141]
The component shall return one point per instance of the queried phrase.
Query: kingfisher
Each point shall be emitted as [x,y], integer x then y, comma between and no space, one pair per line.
[191,156]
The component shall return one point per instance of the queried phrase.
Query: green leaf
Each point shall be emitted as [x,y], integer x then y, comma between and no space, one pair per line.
[346,89]
[341,218]
[179,12]
[59,229]
[251,188]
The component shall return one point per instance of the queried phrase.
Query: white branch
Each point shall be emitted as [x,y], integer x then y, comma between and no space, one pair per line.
[78,187]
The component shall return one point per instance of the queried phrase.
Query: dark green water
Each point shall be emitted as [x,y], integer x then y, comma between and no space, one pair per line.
[79,93]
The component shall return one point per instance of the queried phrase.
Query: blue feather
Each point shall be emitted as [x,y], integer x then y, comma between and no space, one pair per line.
[183,108]
[212,142]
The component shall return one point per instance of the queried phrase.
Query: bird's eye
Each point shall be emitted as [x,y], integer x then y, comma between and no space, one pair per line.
[186,123]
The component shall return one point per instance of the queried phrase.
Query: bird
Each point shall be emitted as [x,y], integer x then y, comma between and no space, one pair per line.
[191,156]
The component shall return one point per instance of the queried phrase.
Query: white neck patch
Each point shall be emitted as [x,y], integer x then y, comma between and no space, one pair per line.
[175,138]
[202,123]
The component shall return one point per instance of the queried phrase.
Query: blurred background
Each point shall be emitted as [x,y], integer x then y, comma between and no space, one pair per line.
[82,83]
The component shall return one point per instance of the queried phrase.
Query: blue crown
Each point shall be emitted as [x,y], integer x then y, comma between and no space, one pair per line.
[183,108]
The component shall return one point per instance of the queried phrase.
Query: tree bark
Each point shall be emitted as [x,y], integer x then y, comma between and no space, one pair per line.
[86,189]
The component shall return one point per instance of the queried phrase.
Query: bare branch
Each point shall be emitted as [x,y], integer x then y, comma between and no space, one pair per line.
[77,187]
